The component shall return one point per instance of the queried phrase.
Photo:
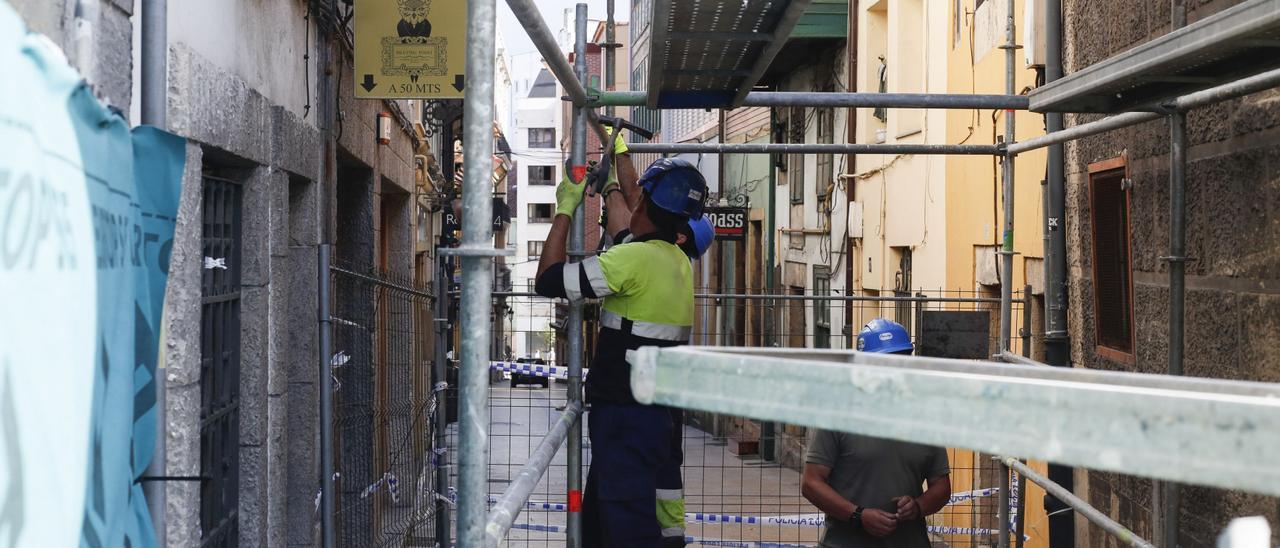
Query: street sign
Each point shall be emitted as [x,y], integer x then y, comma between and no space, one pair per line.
[730,222]
[410,49]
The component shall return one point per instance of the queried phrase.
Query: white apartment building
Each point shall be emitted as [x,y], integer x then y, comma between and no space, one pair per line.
[534,141]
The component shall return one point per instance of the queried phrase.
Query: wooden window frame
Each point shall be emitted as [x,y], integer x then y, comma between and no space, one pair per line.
[1095,169]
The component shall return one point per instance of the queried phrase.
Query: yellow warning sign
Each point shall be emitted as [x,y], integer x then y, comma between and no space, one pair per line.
[410,49]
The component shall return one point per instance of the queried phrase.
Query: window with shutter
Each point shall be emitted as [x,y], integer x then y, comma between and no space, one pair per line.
[795,164]
[1112,265]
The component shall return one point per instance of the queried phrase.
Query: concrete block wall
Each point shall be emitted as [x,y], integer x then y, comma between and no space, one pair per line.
[1233,238]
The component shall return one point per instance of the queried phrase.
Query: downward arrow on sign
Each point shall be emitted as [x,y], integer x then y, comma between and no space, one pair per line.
[368,84]
[459,82]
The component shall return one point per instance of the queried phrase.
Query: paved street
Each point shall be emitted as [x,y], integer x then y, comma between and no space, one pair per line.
[716,481]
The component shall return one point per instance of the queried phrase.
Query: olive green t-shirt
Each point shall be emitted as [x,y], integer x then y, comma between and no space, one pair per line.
[871,472]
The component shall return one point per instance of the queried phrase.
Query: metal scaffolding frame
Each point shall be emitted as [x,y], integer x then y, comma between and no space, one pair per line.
[1212,421]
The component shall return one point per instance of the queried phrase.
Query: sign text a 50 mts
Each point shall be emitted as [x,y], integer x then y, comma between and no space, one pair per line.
[410,49]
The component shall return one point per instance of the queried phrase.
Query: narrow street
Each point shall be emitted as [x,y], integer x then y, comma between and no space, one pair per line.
[717,482]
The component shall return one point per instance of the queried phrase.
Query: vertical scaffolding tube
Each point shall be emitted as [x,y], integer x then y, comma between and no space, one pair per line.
[1006,250]
[610,55]
[477,280]
[577,157]
[1003,541]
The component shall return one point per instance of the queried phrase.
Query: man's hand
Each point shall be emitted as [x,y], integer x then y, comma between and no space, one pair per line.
[878,522]
[569,196]
[908,508]
[619,144]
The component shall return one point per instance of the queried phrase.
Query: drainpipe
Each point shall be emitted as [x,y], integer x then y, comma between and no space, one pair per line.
[1056,339]
[1165,505]
[155,47]
[326,116]
[851,184]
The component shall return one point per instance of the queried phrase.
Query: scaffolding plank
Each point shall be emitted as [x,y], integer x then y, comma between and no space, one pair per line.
[1238,42]
[1191,430]
[710,53]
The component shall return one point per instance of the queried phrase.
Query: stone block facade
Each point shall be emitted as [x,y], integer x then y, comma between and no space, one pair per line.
[1233,241]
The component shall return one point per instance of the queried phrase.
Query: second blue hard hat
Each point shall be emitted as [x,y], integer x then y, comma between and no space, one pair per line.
[884,336]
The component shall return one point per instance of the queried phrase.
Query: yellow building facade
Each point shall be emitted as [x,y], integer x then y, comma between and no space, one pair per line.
[932,224]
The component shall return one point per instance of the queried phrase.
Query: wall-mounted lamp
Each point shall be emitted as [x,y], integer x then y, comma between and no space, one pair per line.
[384,128]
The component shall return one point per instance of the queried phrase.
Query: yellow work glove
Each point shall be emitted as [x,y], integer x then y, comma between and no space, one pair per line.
[619,145]
[569,195]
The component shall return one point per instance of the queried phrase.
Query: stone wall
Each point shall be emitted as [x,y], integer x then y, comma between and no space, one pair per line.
[1233,239]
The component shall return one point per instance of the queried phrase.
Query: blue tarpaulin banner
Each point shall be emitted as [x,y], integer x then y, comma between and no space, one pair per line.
[87,215]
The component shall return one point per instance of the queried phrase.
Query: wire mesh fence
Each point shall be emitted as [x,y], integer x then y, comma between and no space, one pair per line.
[742,477]
[383,406]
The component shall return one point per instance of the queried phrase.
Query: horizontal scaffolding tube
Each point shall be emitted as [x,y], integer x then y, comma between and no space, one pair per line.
[527,13]
[1202,431]
[782,148]
[834,99]
[1090,513]
[1238,88]
[513,500]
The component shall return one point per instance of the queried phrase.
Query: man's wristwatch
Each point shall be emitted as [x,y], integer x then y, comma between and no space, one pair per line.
[856,517]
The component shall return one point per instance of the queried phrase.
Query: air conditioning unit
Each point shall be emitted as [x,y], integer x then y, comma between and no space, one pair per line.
[1033,33]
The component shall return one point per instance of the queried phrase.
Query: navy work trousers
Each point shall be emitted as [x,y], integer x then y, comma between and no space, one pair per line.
[630,444]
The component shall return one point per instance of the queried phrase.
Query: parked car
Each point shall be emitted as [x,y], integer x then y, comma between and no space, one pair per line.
[523,378]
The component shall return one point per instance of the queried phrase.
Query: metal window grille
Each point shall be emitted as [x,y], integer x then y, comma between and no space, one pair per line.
[220,363]
[1112,269]
[535,248]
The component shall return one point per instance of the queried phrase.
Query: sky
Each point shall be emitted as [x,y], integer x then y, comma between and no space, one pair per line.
[517,39]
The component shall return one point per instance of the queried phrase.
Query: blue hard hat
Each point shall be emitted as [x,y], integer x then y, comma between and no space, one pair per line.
[884,337]
[676,186]
[703,233]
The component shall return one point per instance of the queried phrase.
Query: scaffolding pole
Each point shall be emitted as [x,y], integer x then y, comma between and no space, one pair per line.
[1006,249]
[1090,513]
[1244,86]
[476,253]
[837,99]
[1205,431]
[798,148]
[578,158]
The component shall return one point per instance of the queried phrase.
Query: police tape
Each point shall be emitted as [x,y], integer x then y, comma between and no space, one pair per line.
[534,370]
[687,539]
[801,519]
[935,529]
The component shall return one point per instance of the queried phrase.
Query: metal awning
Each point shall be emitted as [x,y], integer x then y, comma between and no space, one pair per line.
[1240,41]
[710,53]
